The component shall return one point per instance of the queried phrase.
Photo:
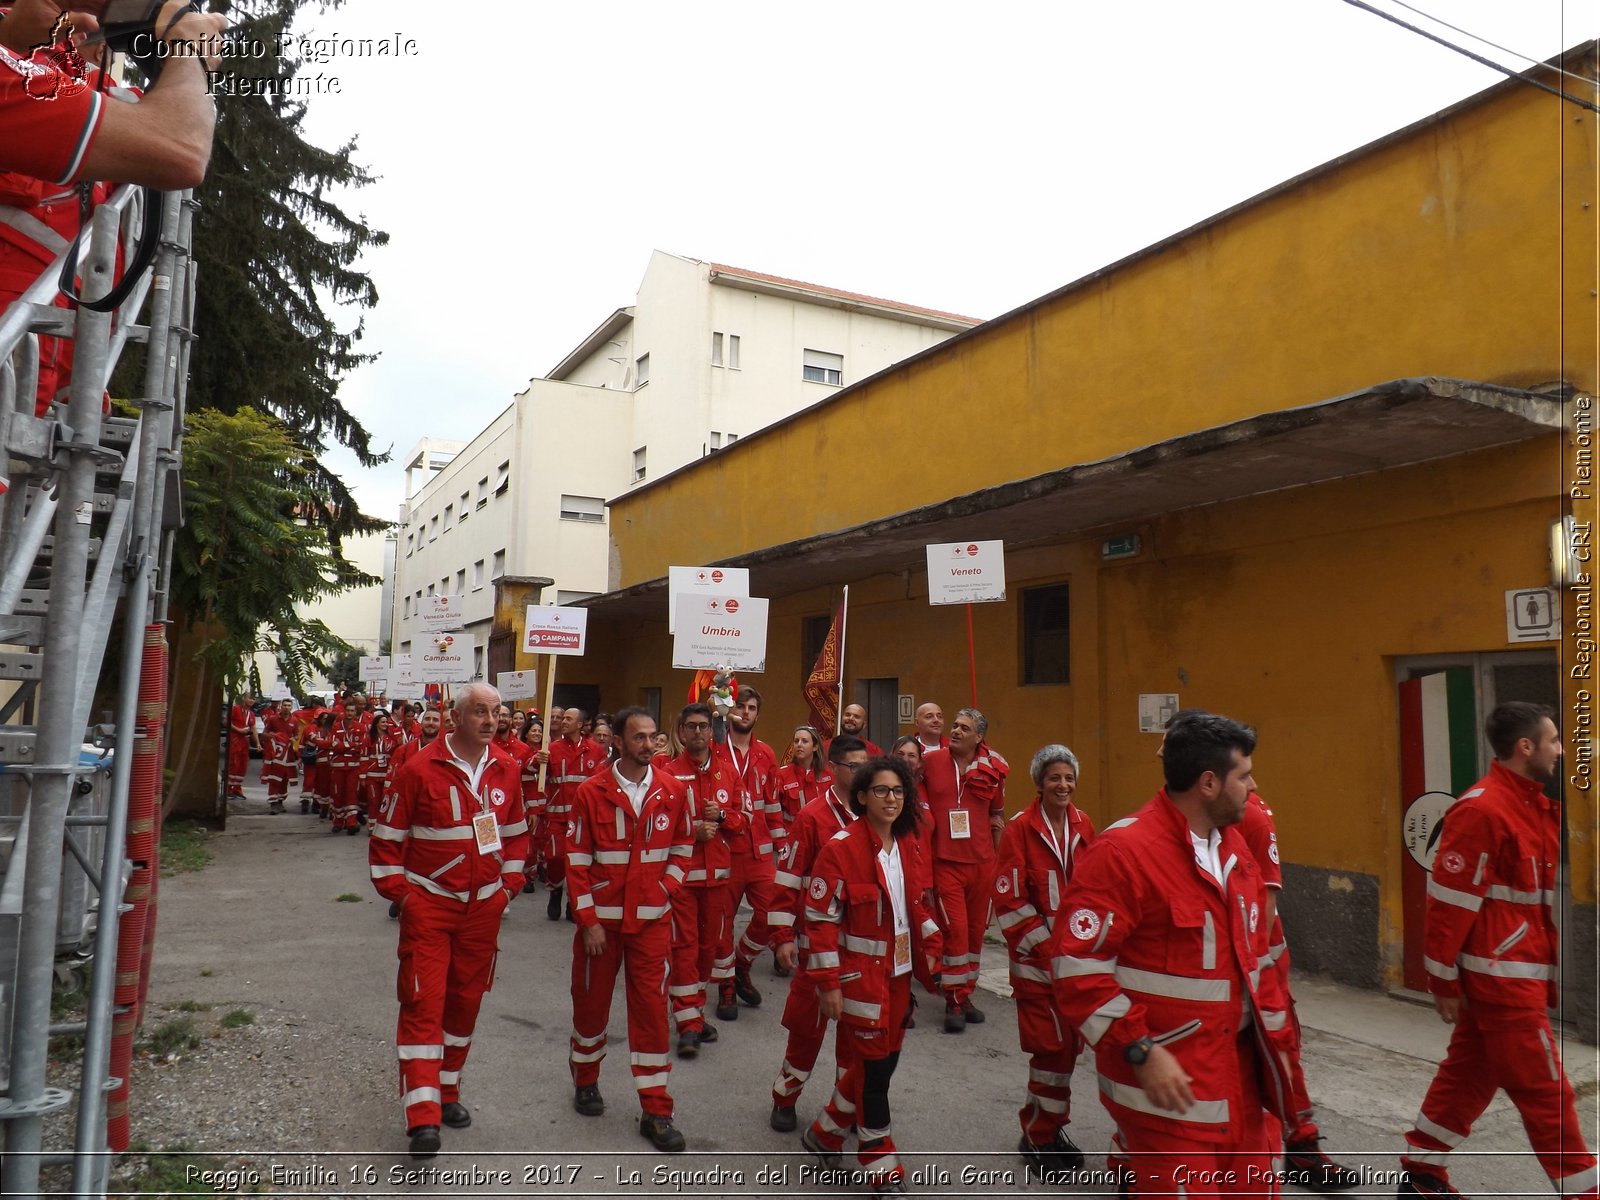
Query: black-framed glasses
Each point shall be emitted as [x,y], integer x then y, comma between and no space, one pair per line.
[883,791]
[698,727]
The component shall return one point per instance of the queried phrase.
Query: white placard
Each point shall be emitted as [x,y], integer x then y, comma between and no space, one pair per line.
[280,691]
[1156,709]
[517,685]
[445,658]
[1532,615]
[373,667]
[720,631]
[555,629]
[966,572]
[439,613]
[703,581]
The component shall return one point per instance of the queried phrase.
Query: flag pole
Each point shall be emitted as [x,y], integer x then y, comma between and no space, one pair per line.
[844,622]
[972,658]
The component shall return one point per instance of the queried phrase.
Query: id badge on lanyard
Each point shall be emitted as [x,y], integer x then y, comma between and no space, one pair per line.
[960,824]
[486,832]
[902,949]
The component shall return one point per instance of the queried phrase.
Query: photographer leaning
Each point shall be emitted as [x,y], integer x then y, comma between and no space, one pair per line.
[163,141]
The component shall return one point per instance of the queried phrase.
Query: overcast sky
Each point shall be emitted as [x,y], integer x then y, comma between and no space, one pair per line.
[963,156]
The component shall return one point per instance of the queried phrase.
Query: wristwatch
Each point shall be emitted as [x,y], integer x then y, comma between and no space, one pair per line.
[1138,1052]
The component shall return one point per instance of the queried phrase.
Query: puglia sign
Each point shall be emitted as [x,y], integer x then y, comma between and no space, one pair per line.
[720,632]
[966,572]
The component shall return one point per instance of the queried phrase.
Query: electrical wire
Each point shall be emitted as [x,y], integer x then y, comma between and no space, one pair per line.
[1480,38]
[1477,58]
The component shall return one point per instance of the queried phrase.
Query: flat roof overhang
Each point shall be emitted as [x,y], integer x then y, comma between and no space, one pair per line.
[1401,423]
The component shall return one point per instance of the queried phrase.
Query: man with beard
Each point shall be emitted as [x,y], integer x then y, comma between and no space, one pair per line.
[754,770]
[574,757]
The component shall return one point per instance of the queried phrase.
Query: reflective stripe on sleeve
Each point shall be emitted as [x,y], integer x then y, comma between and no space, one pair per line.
[1202,1112]
[1178,987]
[1446,895]
[1507,970]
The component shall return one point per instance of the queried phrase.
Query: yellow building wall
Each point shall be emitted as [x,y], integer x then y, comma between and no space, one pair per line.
[1437,254]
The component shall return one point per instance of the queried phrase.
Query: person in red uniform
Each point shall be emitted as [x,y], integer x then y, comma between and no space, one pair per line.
[867,923]
[1038,851]
[755,770]
[1156,958]
[319,768]
[382,741]
[277,761]
[448,848]
[853,720]
[346,753]
[241,732]
[519,750]
[1490,948]
[929,724]
[163,141]
[822,818]
[627,857]
[966,787]
[573,758]
[800,780]
[909,750]
[700,909]
[533,795]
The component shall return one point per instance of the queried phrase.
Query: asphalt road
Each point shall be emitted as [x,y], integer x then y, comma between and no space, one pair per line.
[264,921]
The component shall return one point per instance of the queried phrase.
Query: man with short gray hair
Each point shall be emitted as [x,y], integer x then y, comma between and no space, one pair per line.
[449,849]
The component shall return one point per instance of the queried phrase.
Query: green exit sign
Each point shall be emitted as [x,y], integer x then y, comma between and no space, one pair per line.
[1126,546]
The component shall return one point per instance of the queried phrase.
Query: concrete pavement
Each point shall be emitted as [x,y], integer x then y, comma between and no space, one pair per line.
[264,921]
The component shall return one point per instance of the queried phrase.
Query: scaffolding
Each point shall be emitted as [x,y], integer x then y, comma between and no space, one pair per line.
[85,537]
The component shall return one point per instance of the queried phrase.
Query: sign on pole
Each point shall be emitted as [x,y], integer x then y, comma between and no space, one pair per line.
[446,658]
[703,581]
[439,614]
[555,629]
[720,631]
[966,572]
[517,685]
[403,681]
[373,667]
[280,691]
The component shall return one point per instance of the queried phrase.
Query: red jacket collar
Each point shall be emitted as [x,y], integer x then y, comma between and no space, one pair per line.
[1531,790]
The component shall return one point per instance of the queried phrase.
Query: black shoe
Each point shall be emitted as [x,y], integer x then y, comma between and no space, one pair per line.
[661,1133]
[1305,1165]
[351,830]
[455,1115]
[305,806]
[828,1158]
[727,1003]
[587,1102]
[1055,1161]
[425,1141]
[394,908]
[1425,1183]
[783,1119]
[553,908]
[569,915]
[689,1043]
[744,989]
[955,1021]
[708,1033]
[971,1012]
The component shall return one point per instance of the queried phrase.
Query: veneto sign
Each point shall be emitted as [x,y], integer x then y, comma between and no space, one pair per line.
[555,630]
[720,631]
[966,572]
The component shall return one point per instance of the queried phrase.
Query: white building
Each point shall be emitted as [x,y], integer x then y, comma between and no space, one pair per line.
[706,354]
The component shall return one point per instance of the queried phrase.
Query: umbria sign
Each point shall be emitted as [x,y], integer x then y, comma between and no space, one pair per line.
[715,632]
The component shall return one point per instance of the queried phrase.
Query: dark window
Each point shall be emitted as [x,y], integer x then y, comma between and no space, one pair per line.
[813,632]
[1045,635]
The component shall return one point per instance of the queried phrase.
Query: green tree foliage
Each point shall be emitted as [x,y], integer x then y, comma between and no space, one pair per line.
[276,255]
[345,668]
[245,557]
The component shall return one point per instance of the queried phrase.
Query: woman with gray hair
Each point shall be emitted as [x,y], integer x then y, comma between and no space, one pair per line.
[1037,853]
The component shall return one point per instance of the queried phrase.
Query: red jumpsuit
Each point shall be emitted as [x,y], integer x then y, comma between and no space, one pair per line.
[856,950]
[1150,945]
[794,787]
[241,724]
[700,909]
[346,755]
[570,764]
[1031,875]
[624,869]
[963,856]
[452,891]
[375,773]
[319,772]
[816,824]
[750,848]
[277,761]
[1491,939]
